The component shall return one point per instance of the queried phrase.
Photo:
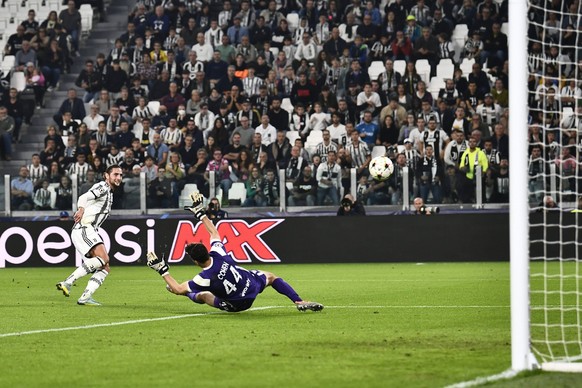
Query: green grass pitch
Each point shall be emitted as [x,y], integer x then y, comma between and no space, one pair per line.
[384,325]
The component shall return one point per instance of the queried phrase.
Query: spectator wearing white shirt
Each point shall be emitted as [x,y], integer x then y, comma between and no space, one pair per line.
[369,101]
[318,119]
[93,119]
[306,49]
[266,130]
[337,131]
[204,120]
[203,50]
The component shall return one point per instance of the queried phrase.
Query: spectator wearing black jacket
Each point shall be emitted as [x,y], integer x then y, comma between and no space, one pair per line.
[72,104]
[115,78]
[303,92]
[90,80]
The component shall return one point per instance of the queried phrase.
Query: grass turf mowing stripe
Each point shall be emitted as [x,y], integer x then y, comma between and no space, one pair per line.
[171,317]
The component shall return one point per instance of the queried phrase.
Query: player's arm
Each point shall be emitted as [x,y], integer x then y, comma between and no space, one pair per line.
[159,265]
[82,203]
[198,209]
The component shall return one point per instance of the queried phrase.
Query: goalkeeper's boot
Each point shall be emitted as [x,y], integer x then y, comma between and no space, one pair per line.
[304,306]
[88,302]
[65,288]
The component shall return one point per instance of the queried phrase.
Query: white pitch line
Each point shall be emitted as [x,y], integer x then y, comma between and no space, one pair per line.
[171,317]
[508,374]
[21,333]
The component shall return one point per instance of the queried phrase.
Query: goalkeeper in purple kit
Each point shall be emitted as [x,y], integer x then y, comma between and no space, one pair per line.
[222,283]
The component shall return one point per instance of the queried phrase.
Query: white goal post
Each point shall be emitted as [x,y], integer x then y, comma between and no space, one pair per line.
[546,287]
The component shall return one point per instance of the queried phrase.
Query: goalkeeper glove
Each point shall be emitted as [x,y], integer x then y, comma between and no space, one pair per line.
[197,206]
[157,264]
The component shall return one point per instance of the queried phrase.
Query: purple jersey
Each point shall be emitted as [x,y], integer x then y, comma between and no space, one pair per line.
[225,279]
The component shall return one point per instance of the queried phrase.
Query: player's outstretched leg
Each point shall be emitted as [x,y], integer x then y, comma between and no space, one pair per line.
[282,287]
[94,283]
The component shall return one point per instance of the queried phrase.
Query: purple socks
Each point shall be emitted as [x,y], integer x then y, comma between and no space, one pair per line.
[282,287]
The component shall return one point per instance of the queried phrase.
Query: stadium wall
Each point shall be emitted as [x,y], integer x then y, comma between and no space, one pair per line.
[442,238]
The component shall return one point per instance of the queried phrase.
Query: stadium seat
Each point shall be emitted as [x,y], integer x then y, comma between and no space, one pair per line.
[8,64]
[154,107]
[400,66]
[293,21]
[461,30]
[34,4]
[3,25]
[275,51]
[567,113]
[13,11]
[423,69]
[292,136]
[52,190]
[445,69]
[376,68]
[86,18]
[287,105]
[467,65]
[184,199]
[18,81]
[378,150]
[313,139]
[289,185]
[188,189]
[459,46]
[436,84]
[237,191]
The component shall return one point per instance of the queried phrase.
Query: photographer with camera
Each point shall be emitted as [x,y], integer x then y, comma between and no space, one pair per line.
[351,207]
[422,210]
[214,212]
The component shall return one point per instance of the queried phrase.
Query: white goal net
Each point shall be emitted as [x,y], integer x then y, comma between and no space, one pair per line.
[554,62]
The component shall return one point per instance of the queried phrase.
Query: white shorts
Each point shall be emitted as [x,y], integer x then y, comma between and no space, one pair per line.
[85,238]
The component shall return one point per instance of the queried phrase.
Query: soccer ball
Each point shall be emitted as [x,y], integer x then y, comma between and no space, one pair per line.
[381,168]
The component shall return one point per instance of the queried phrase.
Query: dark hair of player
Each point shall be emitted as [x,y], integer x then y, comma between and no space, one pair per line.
[197,252]
[111,168]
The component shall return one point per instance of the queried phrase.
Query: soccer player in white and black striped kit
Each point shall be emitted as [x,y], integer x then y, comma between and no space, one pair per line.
[93,209]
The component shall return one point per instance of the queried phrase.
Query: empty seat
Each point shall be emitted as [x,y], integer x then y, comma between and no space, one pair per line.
[376,68]
[18,81]
[461,30]
[378,150]
[445,70]
[292,136]
[154,107]
[467,65]
[293,21]
[238,192]
[400,66]
[287,105]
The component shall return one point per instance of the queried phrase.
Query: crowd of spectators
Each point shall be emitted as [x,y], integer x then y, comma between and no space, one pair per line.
[247,88]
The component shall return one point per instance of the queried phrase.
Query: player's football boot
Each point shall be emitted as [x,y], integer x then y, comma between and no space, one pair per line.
[64,287]
[313,306]
[88,302]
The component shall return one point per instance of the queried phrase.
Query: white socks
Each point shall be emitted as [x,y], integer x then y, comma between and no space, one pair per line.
[94,283]
[85,269]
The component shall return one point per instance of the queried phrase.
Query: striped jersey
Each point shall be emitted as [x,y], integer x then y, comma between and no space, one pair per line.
[36,173]
[98,206]
[170,137]
[80,171]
